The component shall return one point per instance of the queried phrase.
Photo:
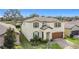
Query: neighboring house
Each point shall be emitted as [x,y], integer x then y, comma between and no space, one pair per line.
[43,27]
[3,29]
[71,28]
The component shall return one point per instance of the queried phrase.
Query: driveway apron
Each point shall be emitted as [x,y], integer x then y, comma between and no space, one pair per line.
[63,43]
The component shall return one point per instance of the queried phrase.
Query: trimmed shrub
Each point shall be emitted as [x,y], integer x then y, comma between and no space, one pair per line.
[71,36]
[36,41]
[17,26]
[9,39]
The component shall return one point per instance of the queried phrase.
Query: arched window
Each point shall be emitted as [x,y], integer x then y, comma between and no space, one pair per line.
[44,23]
[36,33]
[57,24]
[35,24]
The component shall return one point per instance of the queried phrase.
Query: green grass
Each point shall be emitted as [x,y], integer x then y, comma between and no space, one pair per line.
[24,42]
[73,40]
[56,46]
[18,47]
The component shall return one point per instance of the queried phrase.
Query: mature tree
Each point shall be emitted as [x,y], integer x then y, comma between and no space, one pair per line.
[12,14]
[34,15]
[60,18]
[77,17]
[9,39]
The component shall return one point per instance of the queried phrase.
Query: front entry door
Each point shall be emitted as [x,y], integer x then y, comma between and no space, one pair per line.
[47,35]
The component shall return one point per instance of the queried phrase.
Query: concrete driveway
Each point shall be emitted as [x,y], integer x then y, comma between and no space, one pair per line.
[63,43]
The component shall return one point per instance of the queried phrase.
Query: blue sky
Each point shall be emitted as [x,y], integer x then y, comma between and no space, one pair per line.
[47,12]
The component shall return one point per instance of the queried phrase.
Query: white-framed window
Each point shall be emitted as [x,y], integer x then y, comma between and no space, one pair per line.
[35,25]
[57,24]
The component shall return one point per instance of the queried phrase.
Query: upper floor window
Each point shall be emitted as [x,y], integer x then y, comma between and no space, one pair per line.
[57,24]
[36,25]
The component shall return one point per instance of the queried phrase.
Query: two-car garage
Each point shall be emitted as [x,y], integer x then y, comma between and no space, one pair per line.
[56,35]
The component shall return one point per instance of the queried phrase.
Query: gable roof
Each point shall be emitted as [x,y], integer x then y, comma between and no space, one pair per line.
[4,27]
[44,27]
[47,19]
[71,24]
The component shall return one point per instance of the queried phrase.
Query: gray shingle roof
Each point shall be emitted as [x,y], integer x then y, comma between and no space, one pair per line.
[42,19]
[71,24]
[4,27]
[44,27]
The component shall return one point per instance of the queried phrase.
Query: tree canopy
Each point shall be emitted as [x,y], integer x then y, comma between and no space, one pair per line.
[12,14]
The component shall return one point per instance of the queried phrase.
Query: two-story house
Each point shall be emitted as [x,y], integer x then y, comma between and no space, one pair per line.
[43,27]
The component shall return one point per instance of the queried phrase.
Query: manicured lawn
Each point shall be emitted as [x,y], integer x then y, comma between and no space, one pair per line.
[73,40]
[40,46]
[56,46]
